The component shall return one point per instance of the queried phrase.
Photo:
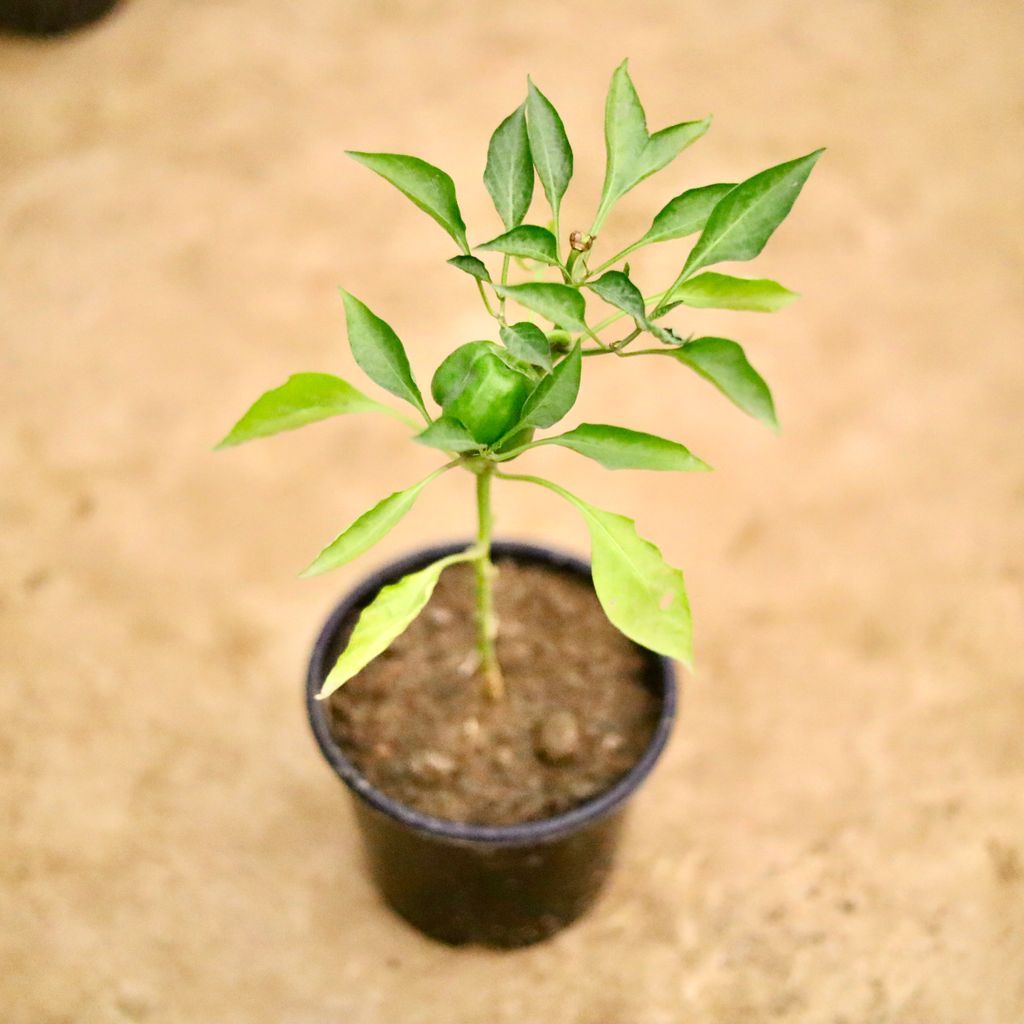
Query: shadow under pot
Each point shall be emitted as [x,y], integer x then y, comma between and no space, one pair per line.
[51,17]
[493,885]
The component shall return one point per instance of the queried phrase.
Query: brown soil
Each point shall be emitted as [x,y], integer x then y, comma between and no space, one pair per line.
[577,714]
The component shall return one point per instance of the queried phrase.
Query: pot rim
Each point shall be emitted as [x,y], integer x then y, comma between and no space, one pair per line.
[537,830]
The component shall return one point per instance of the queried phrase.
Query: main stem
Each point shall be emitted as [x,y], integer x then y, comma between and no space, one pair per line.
[486,622]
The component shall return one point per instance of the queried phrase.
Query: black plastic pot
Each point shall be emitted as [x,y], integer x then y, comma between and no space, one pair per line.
[493,885]
[50,17]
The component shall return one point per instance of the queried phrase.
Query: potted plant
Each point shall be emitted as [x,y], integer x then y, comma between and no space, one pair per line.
[492,706]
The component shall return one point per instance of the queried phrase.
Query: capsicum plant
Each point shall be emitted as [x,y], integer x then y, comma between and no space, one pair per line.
[495,395]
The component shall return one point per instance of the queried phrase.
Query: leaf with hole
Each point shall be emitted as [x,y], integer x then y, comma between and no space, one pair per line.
[642,595]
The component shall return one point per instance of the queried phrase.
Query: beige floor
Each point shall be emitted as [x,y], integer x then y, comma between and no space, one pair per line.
[837,834]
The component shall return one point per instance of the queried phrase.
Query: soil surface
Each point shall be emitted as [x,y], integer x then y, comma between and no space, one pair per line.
[577,714]
[835,834]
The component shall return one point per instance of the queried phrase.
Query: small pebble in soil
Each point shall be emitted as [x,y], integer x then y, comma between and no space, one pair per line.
[504,757]
[471,730]
[431,766]
[469,664]
[558,738]
[582,789]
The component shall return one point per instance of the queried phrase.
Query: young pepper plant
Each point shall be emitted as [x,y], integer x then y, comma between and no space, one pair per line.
[494,395]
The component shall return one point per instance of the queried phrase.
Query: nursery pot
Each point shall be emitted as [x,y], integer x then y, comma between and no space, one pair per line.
[507,885]
[50,17]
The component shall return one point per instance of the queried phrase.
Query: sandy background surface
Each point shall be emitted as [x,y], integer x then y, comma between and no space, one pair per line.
[837,833]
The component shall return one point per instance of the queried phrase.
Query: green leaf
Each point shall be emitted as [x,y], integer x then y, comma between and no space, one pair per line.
[528,342]
[379,352]
[632,153]
[642,595]
[565,307]
[724,363]
[514,362]
[720,291]
[665,145]
[617,290]
[427,186]
[528,242]
[556,394]
[509,172]
[369,528]
[625,133]
[549,146]
[472,266]
[742,222]
[449,435]
[619,448]
[303,398]
[685,214]
[385,618]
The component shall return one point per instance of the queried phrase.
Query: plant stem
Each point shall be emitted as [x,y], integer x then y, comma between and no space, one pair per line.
[621,254]
[504,281]
[595,228]
[486,622]
[487,304]
[593,337]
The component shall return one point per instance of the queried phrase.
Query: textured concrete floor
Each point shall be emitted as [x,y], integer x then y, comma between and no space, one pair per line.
[837,833]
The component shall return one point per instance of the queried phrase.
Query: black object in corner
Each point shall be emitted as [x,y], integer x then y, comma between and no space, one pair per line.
[50,17]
